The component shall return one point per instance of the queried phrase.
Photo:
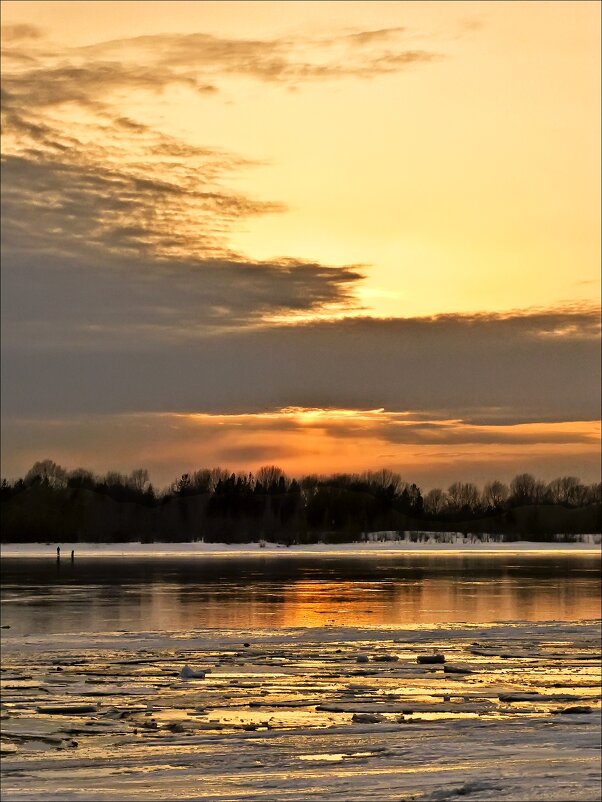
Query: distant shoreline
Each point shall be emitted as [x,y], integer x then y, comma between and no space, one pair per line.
[132,550]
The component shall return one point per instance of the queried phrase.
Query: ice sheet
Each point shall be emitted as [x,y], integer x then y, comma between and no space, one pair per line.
[293,715]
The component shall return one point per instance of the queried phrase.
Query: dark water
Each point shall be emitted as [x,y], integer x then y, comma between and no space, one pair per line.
[96,595]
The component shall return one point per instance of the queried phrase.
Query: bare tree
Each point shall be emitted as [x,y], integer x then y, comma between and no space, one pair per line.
[385,479]
[526,489]
[566,490]
[47,472]
[463,495]
[139,480]
[201,481]
[115,479]
[218,475]
[82,477]
[435,501]
[522,488]
[269,475]
[495,494]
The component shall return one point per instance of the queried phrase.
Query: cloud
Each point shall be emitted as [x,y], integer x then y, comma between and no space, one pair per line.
[90,85]
[19,32]
[391,428]
[303,441]
[88,75]
[290,60]
[487,369]
[83,205]
[362,38]
[113,229]
[64,303]
[258,453]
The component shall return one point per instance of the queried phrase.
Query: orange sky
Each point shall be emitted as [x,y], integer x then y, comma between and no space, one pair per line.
[467,183]
[180,173]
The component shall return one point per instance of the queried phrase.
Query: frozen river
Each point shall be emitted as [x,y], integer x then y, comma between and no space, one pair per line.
[310,680]
[299,590]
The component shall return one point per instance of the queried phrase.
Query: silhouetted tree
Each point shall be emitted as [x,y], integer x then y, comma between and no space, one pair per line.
[183,485]
[463,497]
[138,480]
[566,490]
[495,495]
[525,489]
[237,507]
[81,477]
[48,473]
[435,501]
[271,478]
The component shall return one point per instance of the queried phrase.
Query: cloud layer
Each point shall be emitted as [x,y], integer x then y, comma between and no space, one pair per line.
[97,204]
[483,369]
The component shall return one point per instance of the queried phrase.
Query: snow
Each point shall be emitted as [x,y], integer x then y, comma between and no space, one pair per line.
[455,543]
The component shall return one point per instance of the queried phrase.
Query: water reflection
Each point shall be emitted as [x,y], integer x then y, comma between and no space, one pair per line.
[231,592]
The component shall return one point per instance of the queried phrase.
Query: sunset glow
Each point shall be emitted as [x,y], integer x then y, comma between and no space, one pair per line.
[429,451]
[329,236]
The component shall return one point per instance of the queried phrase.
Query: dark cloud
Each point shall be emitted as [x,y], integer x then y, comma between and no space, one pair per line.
[410,432]
[481,369]
[120,292]
[78,205]
[88,75]
[115,231]
[89,84]
[66,303]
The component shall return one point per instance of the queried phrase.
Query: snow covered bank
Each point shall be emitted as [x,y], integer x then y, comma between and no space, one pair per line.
[454,543]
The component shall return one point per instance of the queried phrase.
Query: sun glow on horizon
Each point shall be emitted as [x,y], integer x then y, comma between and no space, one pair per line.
[327,236]
[432,451]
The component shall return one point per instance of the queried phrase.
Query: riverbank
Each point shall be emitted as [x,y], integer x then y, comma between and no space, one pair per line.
[432,543]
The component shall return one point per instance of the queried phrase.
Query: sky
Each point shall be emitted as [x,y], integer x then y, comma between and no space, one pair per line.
[331,236]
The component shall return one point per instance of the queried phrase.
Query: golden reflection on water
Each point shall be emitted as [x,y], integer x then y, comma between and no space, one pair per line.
[257,597]
[325,603]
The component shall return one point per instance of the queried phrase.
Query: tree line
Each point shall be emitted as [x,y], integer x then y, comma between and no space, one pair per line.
[459,497]
[217,504]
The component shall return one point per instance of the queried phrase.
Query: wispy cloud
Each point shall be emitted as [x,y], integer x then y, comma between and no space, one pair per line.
[98,204]
[19,32]
[289,60]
